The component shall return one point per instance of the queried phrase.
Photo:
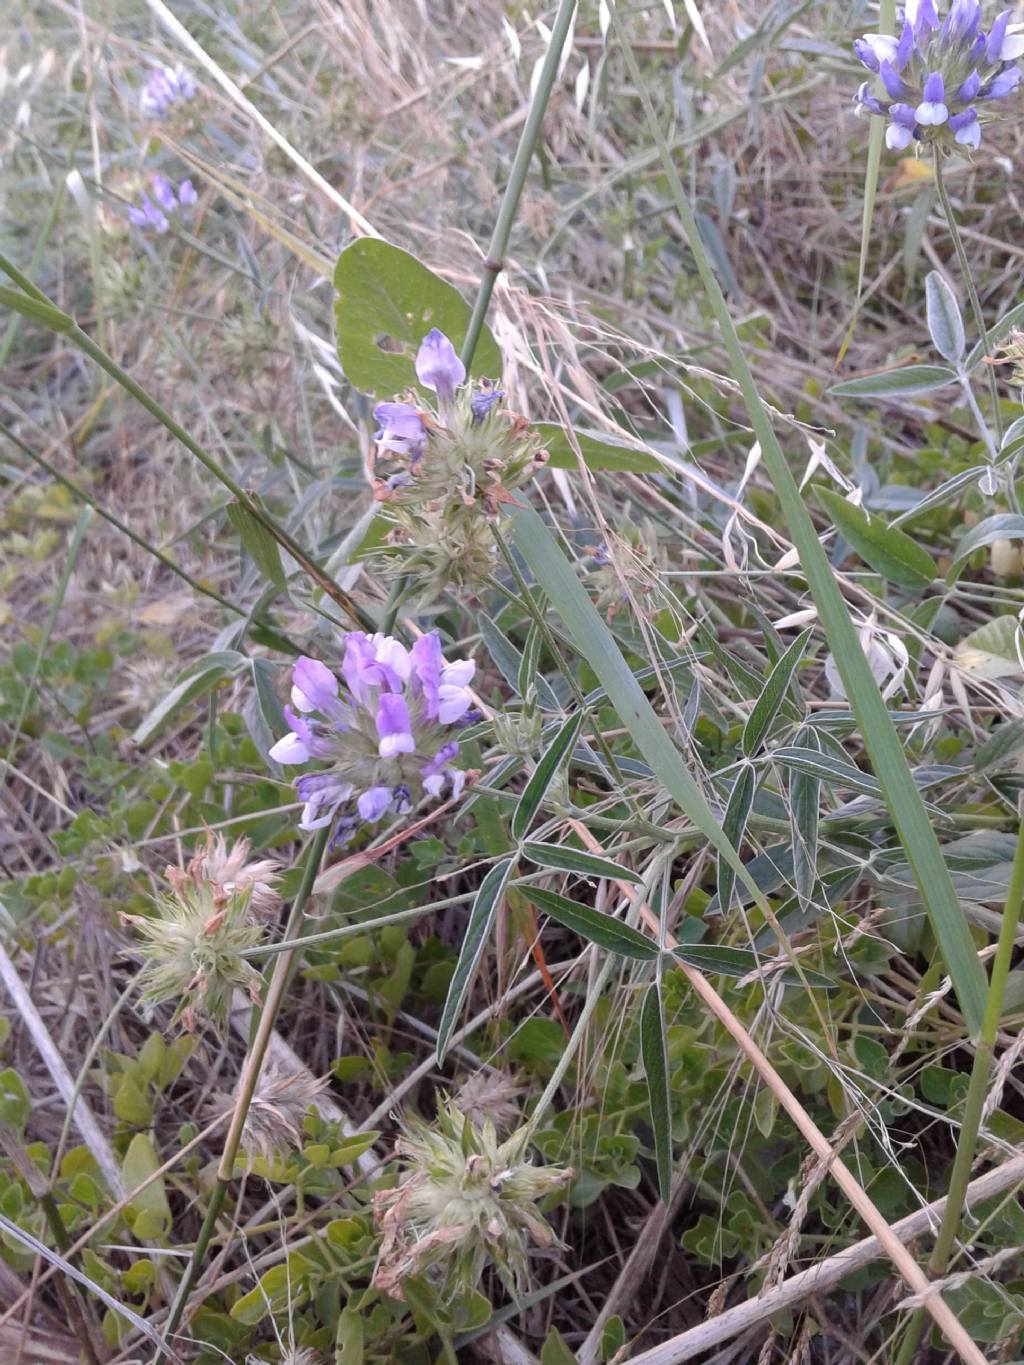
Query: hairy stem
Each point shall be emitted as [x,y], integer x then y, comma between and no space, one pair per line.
[972,293]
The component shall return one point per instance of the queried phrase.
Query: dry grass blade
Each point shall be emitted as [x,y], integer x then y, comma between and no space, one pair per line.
[891,1246]
[196,50]
[821,1277]
[85,1120]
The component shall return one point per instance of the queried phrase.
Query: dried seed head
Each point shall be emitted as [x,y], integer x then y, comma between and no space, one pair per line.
[281,1101]
[191,945]
[490,1096]
[463,1201]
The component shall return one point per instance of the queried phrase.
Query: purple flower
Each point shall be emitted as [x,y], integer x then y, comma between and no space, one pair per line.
[145,215]
[894,87]
[168,202]
[321,794]
[437,365]
[384,730]
[165,87]
[482,402]
[997,33]
[373,803]
[966,129]
[921,15]
[932,109]
[1005,83]
[163,193]
[401,429]
[868,103]
[900,133]
[962,21]
[394,726]
[937,72]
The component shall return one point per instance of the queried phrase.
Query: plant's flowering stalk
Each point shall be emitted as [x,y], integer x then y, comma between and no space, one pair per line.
[465,1200]
[191,945]
[939,74]
[164,88]
[167,202]
[387,730]
[446,468]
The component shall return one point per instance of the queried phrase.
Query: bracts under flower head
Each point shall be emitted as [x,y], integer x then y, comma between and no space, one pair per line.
[445,465]
[939,74]
[386,729]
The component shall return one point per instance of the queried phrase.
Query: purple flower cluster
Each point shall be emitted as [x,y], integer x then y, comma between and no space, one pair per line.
[167,201]
[937,73]
[385,730]
[165,87]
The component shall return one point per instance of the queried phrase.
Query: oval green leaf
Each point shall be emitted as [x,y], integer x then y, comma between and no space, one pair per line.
[598,451]
[1003,526]
[888,551]
[387,302]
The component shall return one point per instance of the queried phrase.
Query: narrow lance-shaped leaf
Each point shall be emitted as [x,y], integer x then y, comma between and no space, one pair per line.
[945,325]
[889,551]
[766,708]
[655,1059]
[804,790]
[543,775]
[529,664]
[826,767]
[906,382]
[260,544]
[737,810]
[594,925]
[478,929]
[727,961]
[192,682]
[595,642]
[568,859]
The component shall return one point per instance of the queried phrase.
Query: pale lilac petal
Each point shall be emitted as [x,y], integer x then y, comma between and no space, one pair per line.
[373,803]
[290,749]
[393,726]
[314,686]
[452,703]
[437,365]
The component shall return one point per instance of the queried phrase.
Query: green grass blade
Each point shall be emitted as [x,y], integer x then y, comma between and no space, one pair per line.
[880,737]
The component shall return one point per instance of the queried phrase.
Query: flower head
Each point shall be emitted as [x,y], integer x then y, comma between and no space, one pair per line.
[437,365]
[463,1201]
[386,729]
[191,944]
[934,71]
[445,469]
[165,87]
[169,202]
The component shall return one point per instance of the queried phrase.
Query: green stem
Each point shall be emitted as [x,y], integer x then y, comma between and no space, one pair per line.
[494,262]
[977,1091]
[247,1085]
[62,323]
[972,293]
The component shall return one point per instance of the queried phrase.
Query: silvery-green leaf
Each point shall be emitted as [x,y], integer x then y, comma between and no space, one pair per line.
[945,325]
